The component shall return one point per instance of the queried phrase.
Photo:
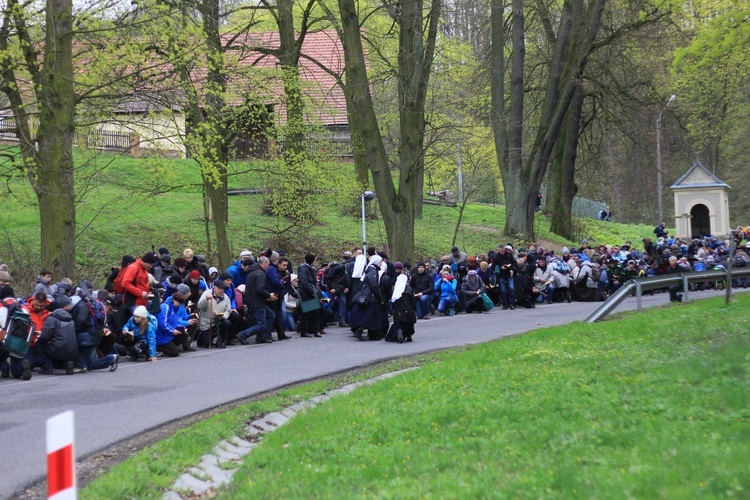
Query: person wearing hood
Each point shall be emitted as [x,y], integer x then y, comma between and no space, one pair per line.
[172,325]
[57,344]
[140,335]
[367,312]
[445,288]
[472,289]
[561,276]
[404,311]
[213,275]
[239,270]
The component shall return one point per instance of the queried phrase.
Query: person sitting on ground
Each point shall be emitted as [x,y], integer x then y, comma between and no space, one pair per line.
[543,281]
[472,289]
[445,288]
[422,285]
[404,311]
[57,345]
[44,282]
[140,335]
[630,272]
[214,309]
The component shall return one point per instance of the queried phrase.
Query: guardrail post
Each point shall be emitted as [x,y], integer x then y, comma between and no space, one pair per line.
[638,295]
[685,288]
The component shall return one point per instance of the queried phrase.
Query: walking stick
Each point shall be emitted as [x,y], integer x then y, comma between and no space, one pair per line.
[210,321]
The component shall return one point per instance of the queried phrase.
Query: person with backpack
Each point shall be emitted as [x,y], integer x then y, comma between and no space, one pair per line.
[57,344]
[561,276]
[586,286]
[89,317]
[19,367]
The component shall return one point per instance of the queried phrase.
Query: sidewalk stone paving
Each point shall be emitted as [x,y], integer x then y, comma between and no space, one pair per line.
[217,468]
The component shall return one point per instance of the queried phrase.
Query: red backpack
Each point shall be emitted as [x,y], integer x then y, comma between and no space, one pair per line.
[117,283]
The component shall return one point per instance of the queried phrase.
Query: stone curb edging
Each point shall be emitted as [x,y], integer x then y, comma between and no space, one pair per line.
[217,467]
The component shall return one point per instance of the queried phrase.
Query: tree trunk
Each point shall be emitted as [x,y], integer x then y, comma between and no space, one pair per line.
[397,208]
[562,172]
[54,183]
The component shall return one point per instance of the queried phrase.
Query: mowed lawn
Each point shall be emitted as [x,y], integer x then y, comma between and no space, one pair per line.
[652,405]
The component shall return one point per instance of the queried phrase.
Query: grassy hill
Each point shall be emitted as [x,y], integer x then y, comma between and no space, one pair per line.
[128,205]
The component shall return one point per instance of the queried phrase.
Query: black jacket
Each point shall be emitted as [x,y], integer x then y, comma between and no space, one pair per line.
[422,283]
[256,294]
[308,283]
[502,260]
[59,331]
[336,278]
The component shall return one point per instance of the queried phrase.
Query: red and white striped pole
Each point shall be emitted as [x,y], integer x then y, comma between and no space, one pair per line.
[61,473]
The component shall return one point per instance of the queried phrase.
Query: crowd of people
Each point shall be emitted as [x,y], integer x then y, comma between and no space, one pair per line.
[156,306]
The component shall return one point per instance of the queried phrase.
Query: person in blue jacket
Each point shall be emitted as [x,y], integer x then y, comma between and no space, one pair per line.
[140,335]
[445,287]
[172,324]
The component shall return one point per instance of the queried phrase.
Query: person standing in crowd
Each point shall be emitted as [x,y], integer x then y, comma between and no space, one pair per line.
[505,270]
[308,290]
[276,282]
[404,311]
[44,282]
[367,312]
[336,284]
[136,283]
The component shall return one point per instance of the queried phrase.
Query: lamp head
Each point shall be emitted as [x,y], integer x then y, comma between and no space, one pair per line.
[368,195]
[671,99]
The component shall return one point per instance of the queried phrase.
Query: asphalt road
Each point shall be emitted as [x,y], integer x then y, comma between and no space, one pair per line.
[110,407]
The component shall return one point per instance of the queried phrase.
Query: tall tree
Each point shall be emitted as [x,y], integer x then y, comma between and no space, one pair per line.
[417,38]
[45,118]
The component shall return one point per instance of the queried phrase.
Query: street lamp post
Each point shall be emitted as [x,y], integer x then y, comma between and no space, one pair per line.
[366,196]
[658,160]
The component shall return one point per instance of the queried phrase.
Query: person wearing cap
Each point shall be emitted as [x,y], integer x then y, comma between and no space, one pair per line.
[422,286]
[140,335]
[214,309]
[336,283]
[196,284]
[504,266]
[158,270]
[43,282]
[136,283]
[57,343]
[5,278]
[276,282]
[257,297]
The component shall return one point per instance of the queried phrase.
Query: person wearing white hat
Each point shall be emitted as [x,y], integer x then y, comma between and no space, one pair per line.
[140,335]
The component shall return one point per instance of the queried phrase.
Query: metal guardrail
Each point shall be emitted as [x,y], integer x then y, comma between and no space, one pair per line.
[639,285]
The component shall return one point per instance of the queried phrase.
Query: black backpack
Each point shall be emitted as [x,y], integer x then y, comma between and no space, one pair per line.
[18,329]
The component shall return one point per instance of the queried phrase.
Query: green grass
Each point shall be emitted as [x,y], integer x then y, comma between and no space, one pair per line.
[116,215]
[153,470]
[653,405]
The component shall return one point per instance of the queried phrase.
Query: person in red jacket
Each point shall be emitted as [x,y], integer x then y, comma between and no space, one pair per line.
[135,282]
